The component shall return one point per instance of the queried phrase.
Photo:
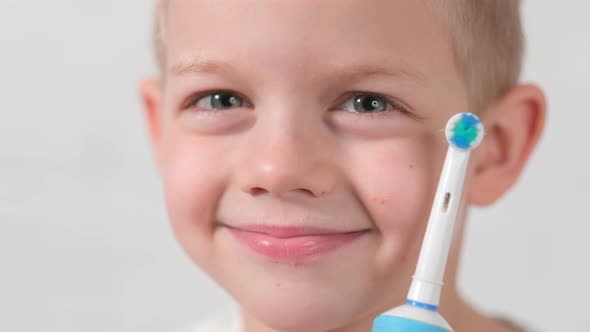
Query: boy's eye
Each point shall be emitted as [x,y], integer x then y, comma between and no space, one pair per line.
[219,100]
[367,103]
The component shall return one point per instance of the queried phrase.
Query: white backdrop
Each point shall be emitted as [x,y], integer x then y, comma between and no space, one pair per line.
[84,242]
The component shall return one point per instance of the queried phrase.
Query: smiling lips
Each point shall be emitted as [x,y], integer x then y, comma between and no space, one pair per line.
[292,244]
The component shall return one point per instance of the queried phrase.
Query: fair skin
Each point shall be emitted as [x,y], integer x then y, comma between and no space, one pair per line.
[295,150]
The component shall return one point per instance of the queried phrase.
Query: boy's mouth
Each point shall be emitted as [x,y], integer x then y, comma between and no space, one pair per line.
[293,244]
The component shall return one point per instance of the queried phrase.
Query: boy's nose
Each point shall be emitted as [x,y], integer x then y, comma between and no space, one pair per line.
[285,162]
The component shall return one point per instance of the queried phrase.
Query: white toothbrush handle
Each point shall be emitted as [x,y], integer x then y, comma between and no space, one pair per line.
[428,279]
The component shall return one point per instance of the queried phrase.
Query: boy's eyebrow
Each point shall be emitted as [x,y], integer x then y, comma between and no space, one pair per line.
[351,72]
[348,72]
[199,65]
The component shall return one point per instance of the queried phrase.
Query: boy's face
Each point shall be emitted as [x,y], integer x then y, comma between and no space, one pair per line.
[329,121]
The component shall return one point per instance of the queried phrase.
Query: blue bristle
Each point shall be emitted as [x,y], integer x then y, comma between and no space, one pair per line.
[465,131]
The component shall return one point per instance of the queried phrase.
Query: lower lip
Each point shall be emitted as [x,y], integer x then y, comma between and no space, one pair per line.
[294,249]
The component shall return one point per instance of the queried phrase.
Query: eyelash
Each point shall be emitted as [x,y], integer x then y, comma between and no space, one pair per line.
[394,104]
[194,99]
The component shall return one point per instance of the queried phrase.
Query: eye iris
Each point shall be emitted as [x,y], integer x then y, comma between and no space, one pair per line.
[370,104]
[223,100]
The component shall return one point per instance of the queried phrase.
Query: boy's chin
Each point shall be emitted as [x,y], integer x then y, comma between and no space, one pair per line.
[294,311]
[335,290]
[313,305]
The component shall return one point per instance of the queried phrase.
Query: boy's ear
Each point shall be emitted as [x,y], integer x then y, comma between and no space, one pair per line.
[513,126]
[151,95]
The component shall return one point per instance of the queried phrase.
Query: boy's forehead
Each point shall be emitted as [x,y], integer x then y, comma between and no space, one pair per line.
[281,33]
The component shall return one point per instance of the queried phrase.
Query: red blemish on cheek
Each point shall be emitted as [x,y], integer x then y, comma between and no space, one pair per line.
[412,166]
[379,200]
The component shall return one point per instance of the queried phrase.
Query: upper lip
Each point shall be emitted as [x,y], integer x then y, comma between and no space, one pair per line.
[292,231]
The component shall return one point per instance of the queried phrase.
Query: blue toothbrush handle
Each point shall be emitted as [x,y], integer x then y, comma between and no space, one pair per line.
[411,318]
[385,323]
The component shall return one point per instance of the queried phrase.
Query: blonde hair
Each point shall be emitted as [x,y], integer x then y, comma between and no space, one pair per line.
[159,33]
[488,43]
[487,36]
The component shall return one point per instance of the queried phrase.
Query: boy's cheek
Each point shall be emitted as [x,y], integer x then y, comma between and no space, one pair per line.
[397,188]
[192,185]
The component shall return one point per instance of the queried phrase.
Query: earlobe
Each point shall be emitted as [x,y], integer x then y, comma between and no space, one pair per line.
[513,127]
[150,91]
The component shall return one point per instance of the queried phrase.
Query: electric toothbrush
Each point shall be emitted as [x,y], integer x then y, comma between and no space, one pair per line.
[464,132]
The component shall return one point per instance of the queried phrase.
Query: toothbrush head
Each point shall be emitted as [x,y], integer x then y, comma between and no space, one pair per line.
[464,131]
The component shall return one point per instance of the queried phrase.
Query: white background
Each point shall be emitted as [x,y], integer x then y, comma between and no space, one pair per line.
[84,241]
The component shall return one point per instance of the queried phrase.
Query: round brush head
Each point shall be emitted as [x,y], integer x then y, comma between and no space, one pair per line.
[464,131]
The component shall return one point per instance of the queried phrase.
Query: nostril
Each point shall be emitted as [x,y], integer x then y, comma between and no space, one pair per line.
[257,191]
[309,192]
